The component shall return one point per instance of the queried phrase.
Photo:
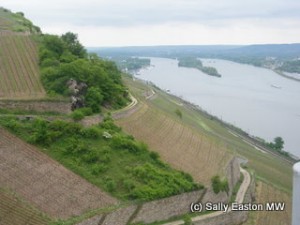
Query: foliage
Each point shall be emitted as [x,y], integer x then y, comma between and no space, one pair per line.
[17,22]
[197,64]
[94,98]
[62,58]
[219,185]
[187,220]
[119,165]
[131,63]
[77,115]
[277,145]
[292,66]
[178,113]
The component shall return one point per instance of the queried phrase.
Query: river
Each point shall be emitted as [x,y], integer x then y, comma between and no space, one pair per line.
[255,99]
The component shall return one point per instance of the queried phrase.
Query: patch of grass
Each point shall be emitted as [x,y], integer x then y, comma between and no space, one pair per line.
[237,187]
[116,163]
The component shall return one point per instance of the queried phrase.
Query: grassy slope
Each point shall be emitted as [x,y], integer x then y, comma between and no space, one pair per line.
[176,140]
[267,167]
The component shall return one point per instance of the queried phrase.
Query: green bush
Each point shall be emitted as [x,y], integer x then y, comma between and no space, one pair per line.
[119,165]
[219,185]
[77,115]
[62,58]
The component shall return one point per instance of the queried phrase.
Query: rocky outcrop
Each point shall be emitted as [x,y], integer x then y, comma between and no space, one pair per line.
[76,90]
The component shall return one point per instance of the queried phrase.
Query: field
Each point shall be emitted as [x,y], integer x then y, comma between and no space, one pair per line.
[15,211]
[44,183]
[178,144]
[19,71]
[267,193]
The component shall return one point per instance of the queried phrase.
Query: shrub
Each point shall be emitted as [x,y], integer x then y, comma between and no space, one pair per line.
[91,132]
[219,185]
[77,115]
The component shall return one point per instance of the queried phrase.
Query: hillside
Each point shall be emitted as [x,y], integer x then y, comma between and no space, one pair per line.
[177,144]
[110,161]
[19,71]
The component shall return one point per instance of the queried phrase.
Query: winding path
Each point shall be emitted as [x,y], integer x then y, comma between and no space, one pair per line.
[239,199]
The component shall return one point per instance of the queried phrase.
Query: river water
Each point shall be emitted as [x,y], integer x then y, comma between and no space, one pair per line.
[255,99]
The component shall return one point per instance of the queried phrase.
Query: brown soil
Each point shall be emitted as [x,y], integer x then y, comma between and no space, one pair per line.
[45,183]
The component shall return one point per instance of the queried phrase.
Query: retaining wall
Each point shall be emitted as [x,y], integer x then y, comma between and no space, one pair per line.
[167,208]
[39,106]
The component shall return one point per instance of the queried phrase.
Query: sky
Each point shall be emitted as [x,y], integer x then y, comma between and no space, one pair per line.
[166,22]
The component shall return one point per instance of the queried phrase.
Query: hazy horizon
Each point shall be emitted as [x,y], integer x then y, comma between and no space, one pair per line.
[116,23]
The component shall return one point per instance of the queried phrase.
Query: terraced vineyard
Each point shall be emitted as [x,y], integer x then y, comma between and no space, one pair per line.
[44,183]
[267,193]
[183,148]
[19,71]
[14,211]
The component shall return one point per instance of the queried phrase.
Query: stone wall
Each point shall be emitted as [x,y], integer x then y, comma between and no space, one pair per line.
[233,173]
[167,208]
[39,106]
[120,216]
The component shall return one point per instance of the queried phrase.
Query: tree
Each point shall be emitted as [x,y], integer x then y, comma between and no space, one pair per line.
[73,44]
[278,143]
[94,98]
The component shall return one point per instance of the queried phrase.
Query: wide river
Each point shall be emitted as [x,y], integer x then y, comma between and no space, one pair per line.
[258,100]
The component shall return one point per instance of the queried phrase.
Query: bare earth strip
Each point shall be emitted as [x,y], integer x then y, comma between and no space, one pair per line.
[45,183]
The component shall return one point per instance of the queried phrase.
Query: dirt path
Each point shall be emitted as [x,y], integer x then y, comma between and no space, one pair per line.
[124,112]
[239,199]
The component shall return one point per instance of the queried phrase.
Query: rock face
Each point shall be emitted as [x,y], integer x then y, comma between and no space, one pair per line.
[76,90]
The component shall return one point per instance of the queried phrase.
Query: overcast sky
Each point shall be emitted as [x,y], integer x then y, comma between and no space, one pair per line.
[166,22]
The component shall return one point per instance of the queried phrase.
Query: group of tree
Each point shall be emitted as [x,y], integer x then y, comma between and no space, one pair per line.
[62,58]
[277,145]
[131,64]
[192,62]
[292,66]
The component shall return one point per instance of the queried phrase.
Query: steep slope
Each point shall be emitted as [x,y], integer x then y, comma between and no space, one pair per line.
[177,142]
[44,183]
[19,70]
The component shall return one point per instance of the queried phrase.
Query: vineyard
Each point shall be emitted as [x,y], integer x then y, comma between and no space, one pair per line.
[44,183]
[19,71]
[14,211]
[177,144]
[267,193]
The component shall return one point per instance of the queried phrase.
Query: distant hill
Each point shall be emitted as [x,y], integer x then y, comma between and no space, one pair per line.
[219,51]
[265,50]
